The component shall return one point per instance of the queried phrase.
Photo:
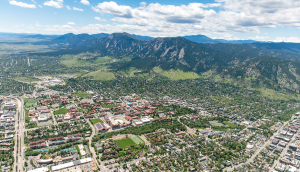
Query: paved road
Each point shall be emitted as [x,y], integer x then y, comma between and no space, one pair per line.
[16,141]
[258,150]
[90,142]
[53,118]
[19,137]
[283,153]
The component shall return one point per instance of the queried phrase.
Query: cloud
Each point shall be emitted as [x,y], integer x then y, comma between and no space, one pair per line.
[33,1]
[77,9]
[54,3]
[242,16]
[218,18]
[259,38]
[99,19]
[85,2]
[71,23]
[69,8]
[143,4]
[21,4]
[114,9]
[289,39]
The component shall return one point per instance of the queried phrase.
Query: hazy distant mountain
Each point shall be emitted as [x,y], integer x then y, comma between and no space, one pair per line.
[205,39]
[201,39]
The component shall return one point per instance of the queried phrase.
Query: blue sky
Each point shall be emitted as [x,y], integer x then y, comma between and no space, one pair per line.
[262,20]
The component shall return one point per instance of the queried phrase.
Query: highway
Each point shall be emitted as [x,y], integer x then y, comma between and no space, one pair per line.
[19,137]
[21,126]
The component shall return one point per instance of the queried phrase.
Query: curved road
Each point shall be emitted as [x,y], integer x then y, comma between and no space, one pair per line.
[90,142]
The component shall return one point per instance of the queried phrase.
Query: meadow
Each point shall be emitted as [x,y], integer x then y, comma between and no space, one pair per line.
[123,143]
[61,111]
[95,121]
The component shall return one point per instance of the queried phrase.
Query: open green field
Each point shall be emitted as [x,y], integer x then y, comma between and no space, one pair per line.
[81,60]
[230,124]
[31,102]
[176,74]
[11,48]
[133,72]
[61,111]
[220,129]
[95,121]
[101,75]
[137,140]
[217,124]
[108,106]
[275,95]
[26,79]
[123,143]
[83,95]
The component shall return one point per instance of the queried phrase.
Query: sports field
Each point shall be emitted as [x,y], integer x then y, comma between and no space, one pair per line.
[61,111]
[123,143]
[95,121]
[217,124]
[83,95]
[137,139]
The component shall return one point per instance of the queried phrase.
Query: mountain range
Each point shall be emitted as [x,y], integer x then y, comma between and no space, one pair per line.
[275,65]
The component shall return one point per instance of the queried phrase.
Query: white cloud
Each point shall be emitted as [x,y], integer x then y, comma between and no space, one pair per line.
[223,16]
[40,6]
[259,38]
[38,25]
[33,1]
[54,3]
[245,16]
[21,4]
[288,39]
[77,9]
[85,2]
[71,23]
[99,19]
[69,8]
[143,4]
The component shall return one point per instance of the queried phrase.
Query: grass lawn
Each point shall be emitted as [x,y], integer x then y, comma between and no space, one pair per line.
[31,102]
[123,143]
[61,111]
[137,140]
[220,129]
[109,106]
[71,60]
[95,121]
[101,75]
[26,79]
[83,95]
[230,124]
[217,124]
[27,118]
[176,74]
